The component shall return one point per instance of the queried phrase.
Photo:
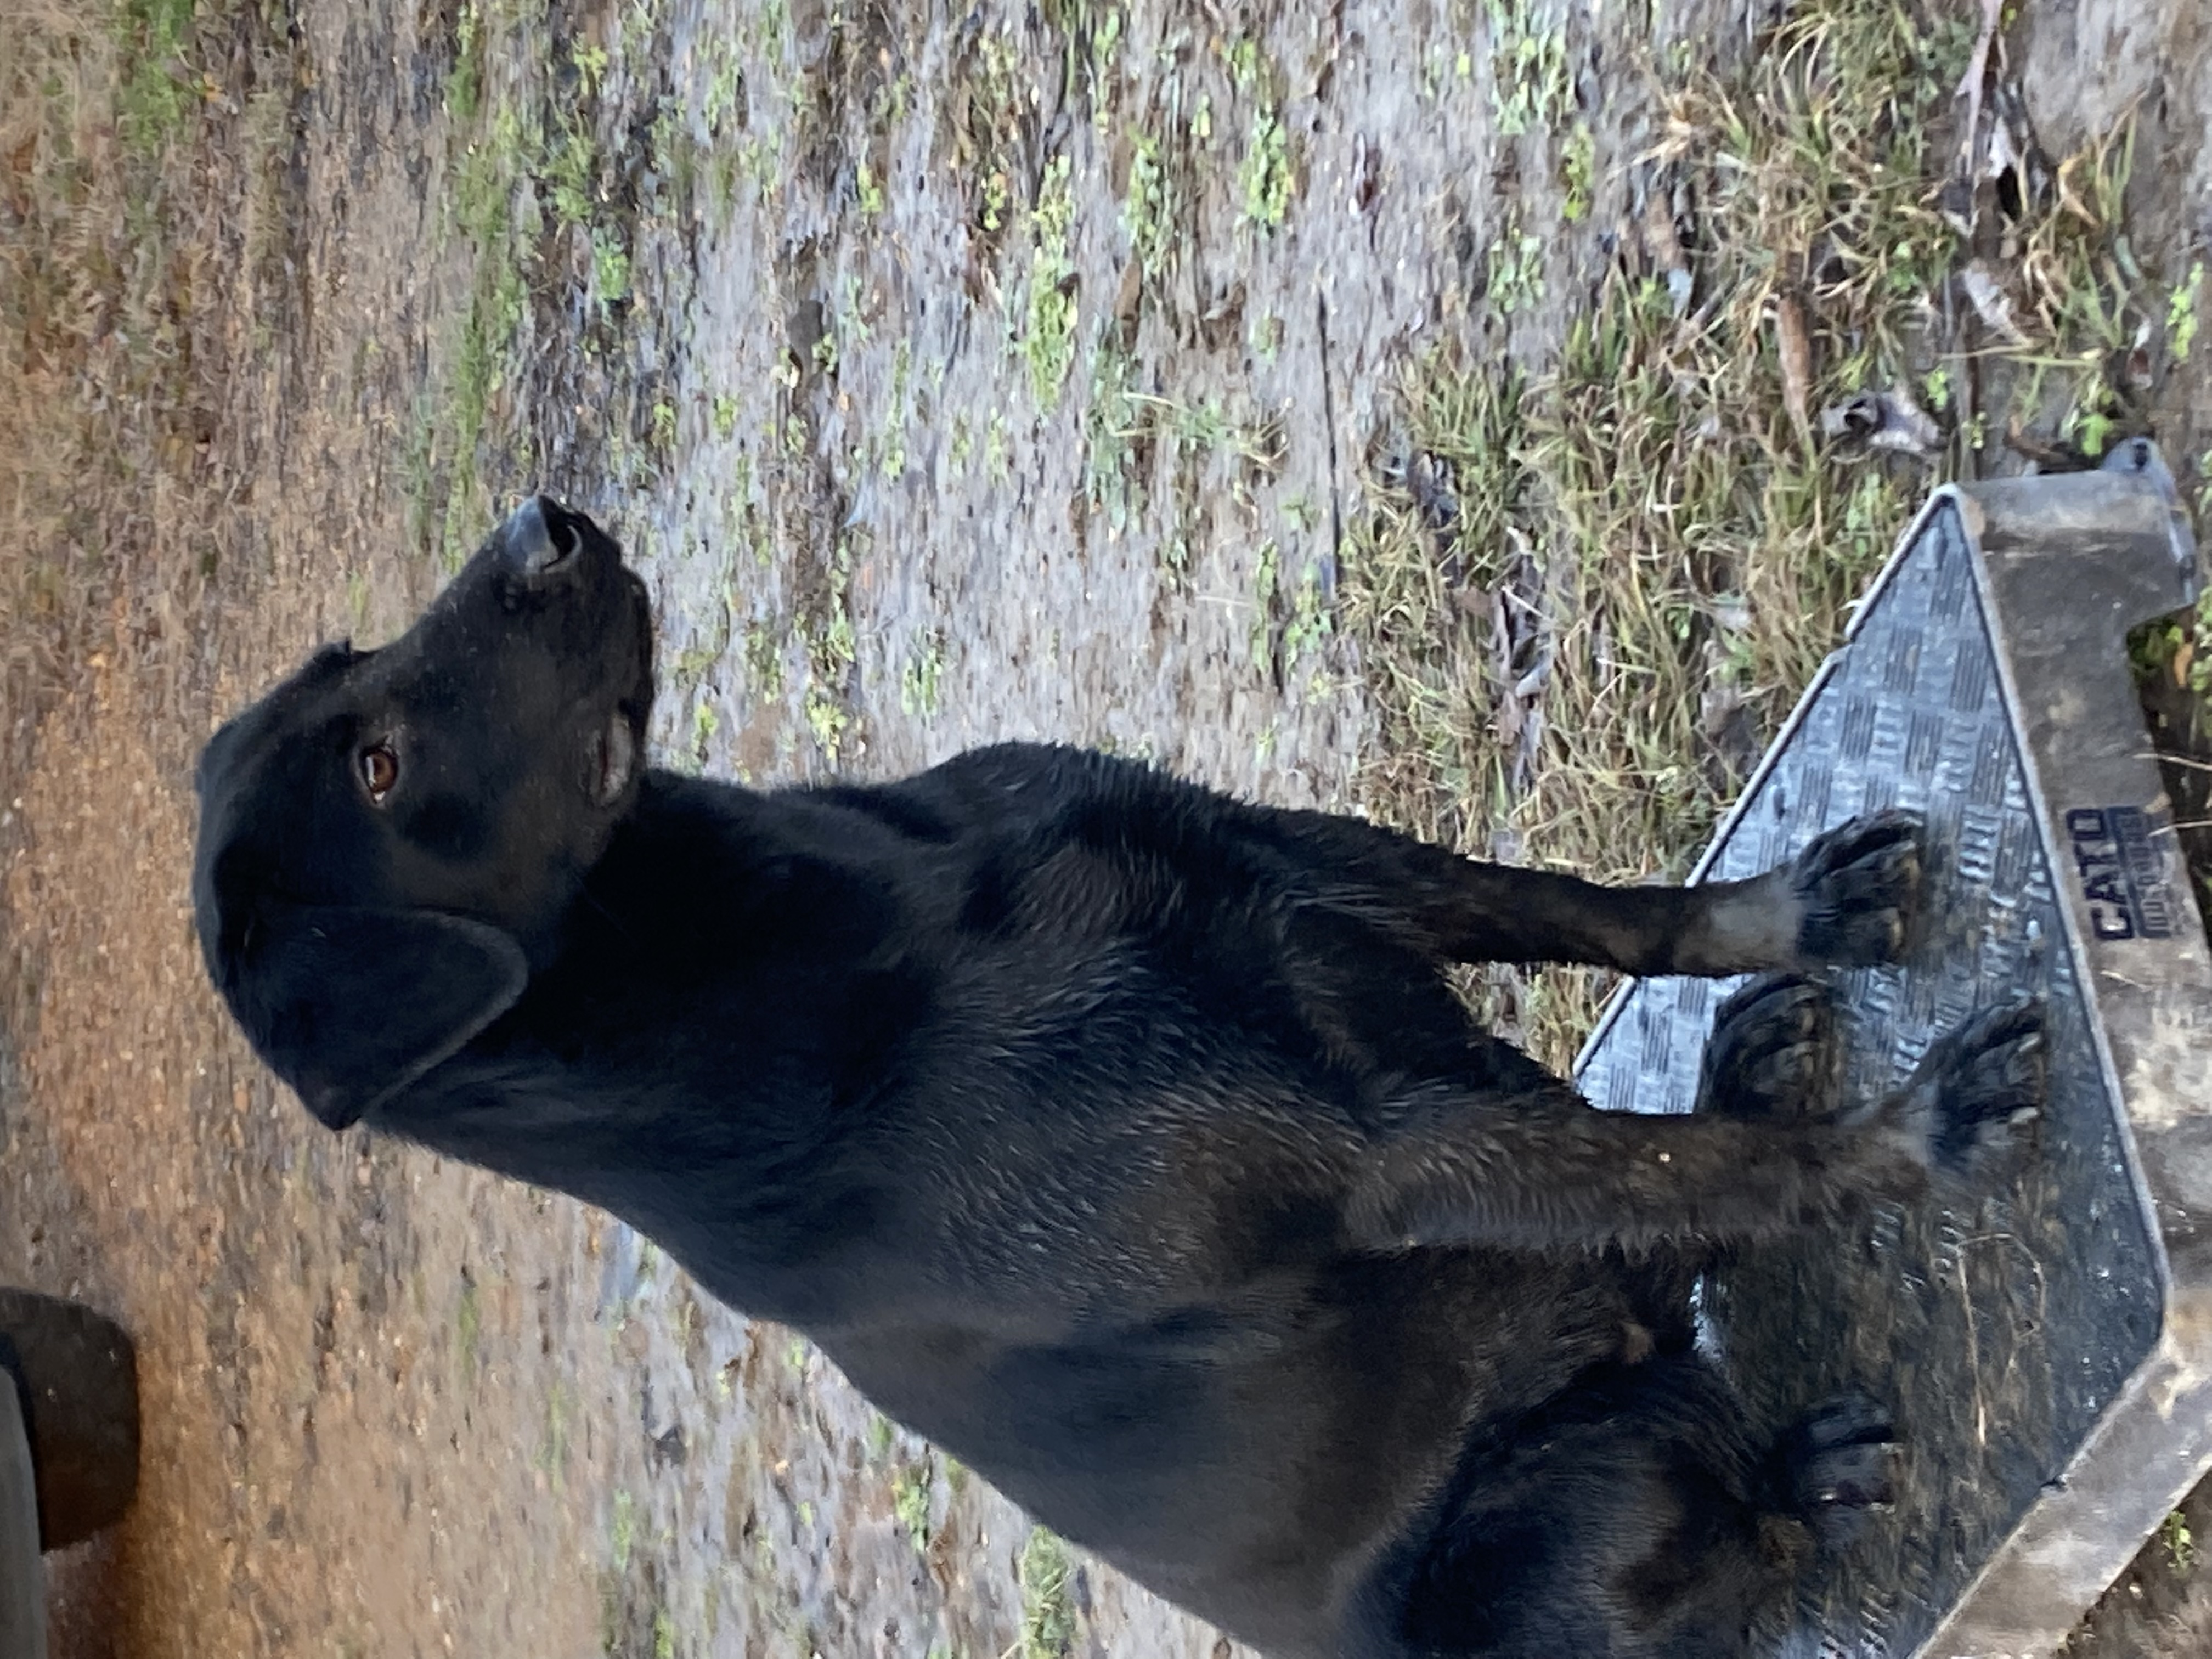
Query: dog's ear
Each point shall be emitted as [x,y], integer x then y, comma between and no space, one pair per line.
[351,1005]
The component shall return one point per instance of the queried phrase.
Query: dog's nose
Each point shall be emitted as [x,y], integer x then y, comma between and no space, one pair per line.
[526,541]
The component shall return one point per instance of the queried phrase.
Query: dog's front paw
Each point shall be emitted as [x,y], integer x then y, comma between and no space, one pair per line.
[1773,1055]
[1838,1463]
[1858,886]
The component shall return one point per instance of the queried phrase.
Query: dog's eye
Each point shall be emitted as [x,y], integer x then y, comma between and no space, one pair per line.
[379,770]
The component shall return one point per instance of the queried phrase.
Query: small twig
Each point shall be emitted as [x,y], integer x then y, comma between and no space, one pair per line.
[1328,421]
[1969,87]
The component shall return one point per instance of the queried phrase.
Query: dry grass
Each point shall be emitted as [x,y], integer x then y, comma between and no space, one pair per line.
[136,215]
[60,269]
[1587,603]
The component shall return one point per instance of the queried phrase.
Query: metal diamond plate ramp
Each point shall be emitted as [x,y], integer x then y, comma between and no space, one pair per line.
[2048,1354]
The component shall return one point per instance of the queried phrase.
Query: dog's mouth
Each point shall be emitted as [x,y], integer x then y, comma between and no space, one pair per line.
[611,759]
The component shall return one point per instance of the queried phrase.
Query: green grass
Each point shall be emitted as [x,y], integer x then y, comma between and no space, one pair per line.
[158,89]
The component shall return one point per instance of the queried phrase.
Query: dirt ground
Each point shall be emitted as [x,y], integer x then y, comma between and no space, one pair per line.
[956,374]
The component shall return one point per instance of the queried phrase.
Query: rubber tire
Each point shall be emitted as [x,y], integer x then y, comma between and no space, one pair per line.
[76,1377]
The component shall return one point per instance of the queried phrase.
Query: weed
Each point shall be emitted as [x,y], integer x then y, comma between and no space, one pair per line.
[723,102]
[1578,172]
[1093,38]
[705,723]
[1047,1607]
[1112,421]
[610,269]
[910,1496]
[1148,207]
[623,1530]
[591,64]
[1263,178]
[725,416]
[1048,345]
[870,189]
[2180,1546]
[1530,86]
[991,104]
[465,81]
[2181,312]
[829,720]
[830,650]
[1310,623]
[1265,574]
[1514,265]
[918,679]
[570,170]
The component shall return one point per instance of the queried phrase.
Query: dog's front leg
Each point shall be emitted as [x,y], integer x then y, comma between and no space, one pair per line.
[1848,899]
[1460,1169]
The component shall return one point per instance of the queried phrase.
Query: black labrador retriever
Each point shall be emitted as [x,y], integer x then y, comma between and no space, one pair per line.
[1124,1138]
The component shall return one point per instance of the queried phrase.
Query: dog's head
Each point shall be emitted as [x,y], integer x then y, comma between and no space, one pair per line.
[390,839]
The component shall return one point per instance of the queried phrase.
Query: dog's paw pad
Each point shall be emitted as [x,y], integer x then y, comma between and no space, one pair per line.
[1773,1053]
[1860,887]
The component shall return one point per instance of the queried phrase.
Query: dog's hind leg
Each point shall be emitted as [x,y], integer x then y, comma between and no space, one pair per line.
[1552,1171]
[1636,1514]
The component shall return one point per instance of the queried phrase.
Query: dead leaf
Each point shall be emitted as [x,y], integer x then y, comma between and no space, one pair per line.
[1987,292]
[1883,420]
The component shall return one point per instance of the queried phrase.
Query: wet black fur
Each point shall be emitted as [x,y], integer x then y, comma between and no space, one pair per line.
[1124,1138]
